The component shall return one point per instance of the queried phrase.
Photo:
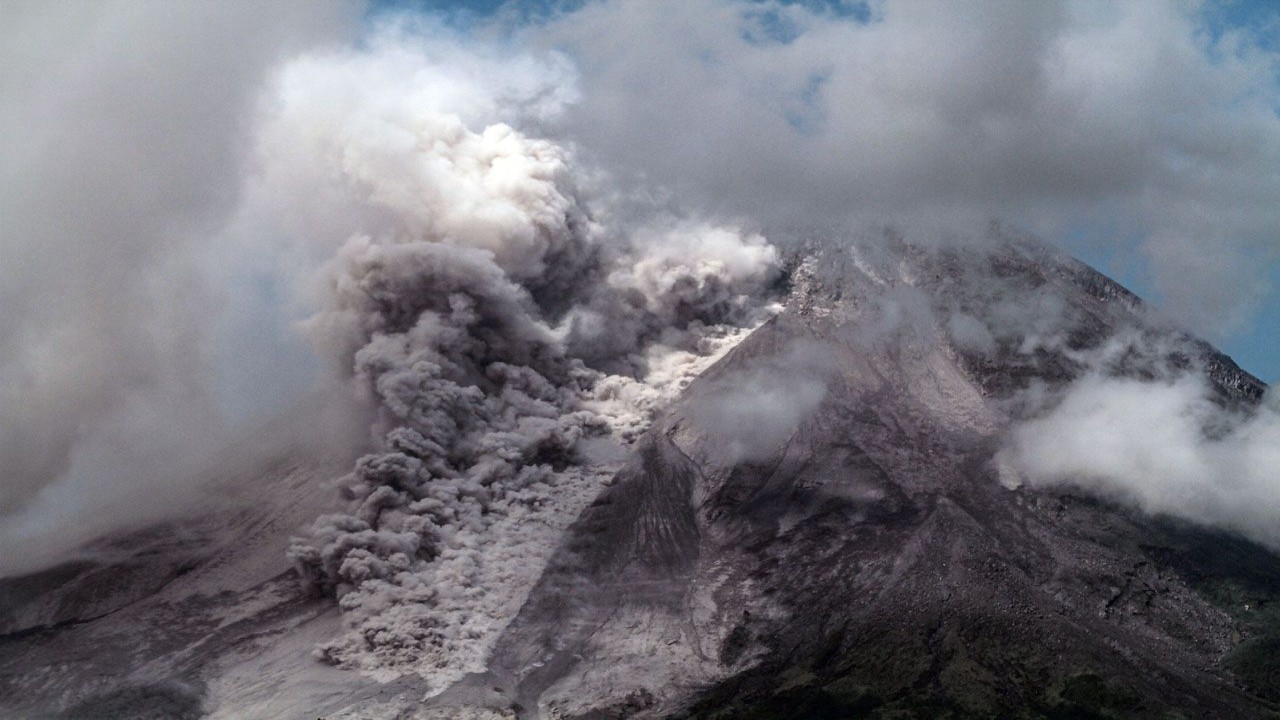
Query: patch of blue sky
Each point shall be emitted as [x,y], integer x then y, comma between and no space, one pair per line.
[1259,19]
[857,10]
[1258,349]
[769,24]
[807,114]
[463,14]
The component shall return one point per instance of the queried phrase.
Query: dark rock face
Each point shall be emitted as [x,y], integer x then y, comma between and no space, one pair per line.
[868,562]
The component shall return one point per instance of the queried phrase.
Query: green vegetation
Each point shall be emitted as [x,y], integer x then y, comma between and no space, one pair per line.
[1256,661]
[1243,579]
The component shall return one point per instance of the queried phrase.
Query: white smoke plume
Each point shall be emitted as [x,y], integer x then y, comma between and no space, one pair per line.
[502,319]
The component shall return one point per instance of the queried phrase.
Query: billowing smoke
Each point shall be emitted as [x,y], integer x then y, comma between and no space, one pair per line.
[508,325]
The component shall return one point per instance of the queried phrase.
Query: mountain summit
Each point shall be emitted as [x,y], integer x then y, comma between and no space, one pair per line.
[834,519]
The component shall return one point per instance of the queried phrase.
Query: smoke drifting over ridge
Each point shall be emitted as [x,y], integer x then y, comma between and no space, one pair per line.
[1162,445]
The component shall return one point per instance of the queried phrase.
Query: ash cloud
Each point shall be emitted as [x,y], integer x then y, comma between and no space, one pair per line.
[504,317]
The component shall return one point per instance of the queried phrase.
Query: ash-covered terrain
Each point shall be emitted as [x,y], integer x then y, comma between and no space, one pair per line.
[836,499]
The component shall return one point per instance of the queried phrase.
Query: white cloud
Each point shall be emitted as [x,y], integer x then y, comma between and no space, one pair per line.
[1163,446]
[1054,115]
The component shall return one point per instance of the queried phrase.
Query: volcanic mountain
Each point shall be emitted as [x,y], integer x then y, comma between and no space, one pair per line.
[822,524]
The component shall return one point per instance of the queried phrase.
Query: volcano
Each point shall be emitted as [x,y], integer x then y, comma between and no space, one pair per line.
[819,525]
